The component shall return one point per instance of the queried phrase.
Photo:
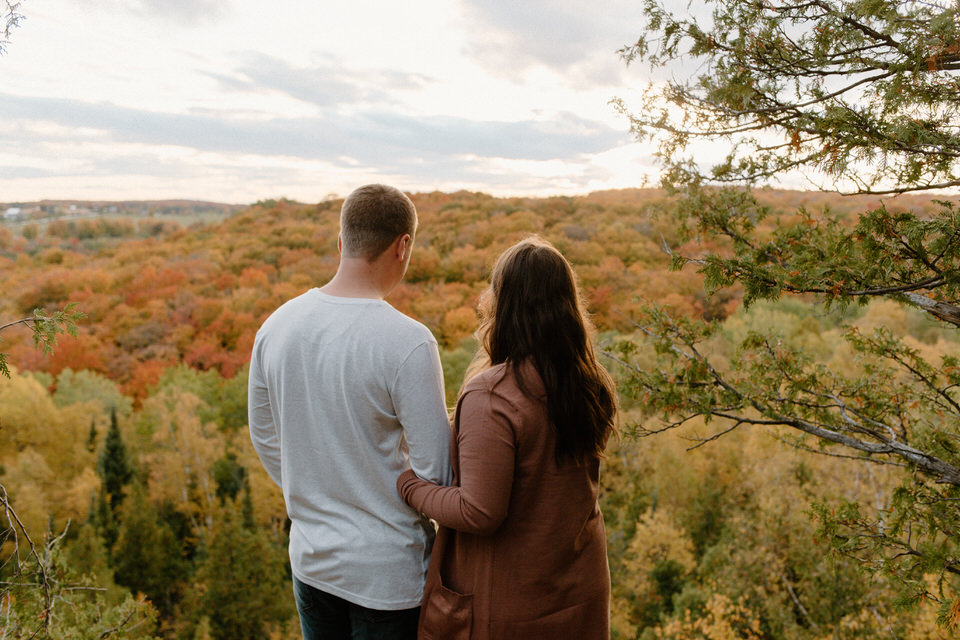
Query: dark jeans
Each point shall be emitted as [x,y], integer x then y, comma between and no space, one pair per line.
[327,617]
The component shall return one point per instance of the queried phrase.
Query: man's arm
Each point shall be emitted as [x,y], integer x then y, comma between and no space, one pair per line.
[420,403]
[263,431]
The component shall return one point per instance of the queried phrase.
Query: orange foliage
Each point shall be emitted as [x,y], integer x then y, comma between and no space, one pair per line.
[145,375]
[458,324]
[198,295]
[82,352]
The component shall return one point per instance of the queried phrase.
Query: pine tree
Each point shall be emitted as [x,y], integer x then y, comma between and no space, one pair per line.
[244,588]
[230,476]
[147,557]
[92,437]
[246,509]
[102,518]
[114,465]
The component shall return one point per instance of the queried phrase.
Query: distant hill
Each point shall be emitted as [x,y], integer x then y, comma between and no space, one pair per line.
[46,210]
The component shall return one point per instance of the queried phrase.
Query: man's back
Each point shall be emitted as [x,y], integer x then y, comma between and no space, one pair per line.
[331,382]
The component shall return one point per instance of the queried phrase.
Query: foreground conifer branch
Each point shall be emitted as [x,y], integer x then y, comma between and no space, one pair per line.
[856,97]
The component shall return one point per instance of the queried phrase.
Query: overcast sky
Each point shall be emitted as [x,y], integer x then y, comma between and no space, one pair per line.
[236,100]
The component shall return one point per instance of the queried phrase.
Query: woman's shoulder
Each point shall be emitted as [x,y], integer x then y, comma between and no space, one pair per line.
[504,381]
[487,380]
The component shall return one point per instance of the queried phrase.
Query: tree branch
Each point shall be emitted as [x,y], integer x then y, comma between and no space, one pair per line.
[947,312]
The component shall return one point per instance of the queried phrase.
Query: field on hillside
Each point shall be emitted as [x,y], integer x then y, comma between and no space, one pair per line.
[132,436]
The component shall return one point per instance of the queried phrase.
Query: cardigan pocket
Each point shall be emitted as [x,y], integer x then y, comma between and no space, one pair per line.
[446,615]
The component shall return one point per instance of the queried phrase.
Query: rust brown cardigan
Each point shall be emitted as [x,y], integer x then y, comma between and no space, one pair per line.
[521,551]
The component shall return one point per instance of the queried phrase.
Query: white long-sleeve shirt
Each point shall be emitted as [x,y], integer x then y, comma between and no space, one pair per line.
[340,389]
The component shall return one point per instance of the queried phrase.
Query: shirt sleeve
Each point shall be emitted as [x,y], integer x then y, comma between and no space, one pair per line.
[487,454]
[263,430]
[420,403]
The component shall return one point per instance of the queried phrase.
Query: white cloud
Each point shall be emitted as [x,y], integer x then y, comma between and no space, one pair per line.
[233,100]
[178,12]
[577,41]
[326,84]
[369,136]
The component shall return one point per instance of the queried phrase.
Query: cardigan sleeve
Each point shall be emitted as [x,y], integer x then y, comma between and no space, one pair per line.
[487,451]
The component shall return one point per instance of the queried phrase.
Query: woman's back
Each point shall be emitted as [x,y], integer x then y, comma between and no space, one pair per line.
[522,552]
[527,538]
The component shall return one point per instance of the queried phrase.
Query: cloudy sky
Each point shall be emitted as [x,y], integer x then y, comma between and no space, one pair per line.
[236,100]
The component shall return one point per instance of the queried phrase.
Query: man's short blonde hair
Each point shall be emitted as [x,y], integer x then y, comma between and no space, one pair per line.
[372,217]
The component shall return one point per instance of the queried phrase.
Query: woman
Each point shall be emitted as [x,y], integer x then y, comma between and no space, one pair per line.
[521,551]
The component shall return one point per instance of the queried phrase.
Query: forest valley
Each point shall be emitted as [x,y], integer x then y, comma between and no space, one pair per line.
[140,510]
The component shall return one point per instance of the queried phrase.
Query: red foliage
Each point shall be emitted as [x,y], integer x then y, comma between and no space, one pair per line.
[82,352]
[198,296]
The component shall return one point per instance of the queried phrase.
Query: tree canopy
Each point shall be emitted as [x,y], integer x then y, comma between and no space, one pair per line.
[865,92]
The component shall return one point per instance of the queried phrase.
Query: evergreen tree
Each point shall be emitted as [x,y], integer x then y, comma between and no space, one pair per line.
[230,476]
[147,557]
[246,509]
[114,465]
[102,519]
[87,555]
[92,437]
[52,594]
[243,581]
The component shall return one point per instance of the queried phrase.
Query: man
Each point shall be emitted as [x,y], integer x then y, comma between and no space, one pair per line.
[344,392]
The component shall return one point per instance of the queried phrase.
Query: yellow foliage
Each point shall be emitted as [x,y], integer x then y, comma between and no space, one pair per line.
[269,508]
[75,503]
[871,623]
[28,416]
[184,450]
[923,626]
[29,482]
[658,539]
[203,630]
[884,313]
[722,620]
[48,471]
[290,631]
[458,324]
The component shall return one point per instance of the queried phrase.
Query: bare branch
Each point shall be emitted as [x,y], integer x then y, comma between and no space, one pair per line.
[720,434]
[947,312]
[832,454]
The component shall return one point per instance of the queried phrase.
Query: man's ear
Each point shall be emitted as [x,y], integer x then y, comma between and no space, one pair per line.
[404,245]
[339,244]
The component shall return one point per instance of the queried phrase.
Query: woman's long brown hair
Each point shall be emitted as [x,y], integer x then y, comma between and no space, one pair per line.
[535,313]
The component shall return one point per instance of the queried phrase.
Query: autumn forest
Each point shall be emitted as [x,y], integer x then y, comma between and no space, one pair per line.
[126,458]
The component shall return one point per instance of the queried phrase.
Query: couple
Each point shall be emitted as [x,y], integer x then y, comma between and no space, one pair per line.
[346,408]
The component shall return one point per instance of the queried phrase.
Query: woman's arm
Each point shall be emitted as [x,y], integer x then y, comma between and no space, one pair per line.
[487,451]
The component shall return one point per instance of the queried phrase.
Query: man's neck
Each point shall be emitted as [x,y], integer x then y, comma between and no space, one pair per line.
[357,278]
